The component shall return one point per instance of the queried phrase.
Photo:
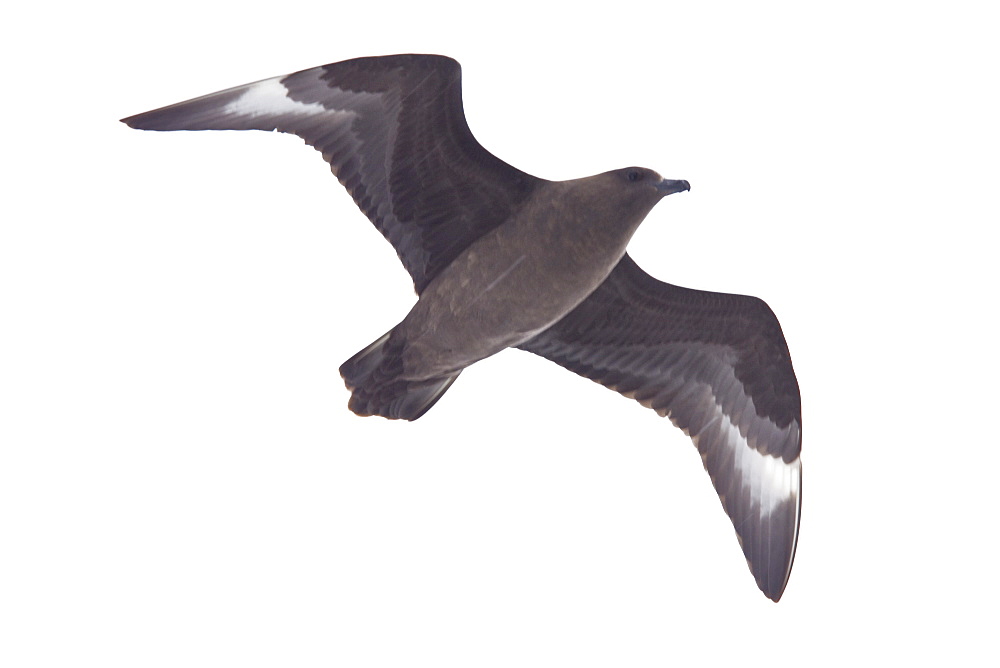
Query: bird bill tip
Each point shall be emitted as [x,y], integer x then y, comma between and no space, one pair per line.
[671,186]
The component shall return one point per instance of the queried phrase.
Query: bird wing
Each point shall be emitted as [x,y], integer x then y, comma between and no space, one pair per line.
[718,366]
[394,132]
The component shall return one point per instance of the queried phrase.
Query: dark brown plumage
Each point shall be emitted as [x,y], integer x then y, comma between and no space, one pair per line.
[500,258]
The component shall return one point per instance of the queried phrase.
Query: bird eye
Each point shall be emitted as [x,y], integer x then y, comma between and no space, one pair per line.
[633,175]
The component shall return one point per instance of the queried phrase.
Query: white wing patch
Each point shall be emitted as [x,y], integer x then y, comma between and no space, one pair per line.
[771,480]
[753,486]
[269,98]
[764,480]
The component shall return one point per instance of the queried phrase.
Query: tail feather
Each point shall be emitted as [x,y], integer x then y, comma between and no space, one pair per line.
[357,369]
[374,377]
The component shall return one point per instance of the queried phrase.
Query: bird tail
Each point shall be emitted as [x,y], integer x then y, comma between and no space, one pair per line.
[374,378]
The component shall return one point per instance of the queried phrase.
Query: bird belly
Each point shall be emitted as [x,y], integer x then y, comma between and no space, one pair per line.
[492,297]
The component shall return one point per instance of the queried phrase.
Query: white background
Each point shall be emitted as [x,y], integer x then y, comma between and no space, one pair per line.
[181,483]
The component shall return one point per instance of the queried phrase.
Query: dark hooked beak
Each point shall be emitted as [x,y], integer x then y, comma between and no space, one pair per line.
[669,187]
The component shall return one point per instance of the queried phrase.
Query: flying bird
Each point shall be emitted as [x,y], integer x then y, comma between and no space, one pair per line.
[502,259]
